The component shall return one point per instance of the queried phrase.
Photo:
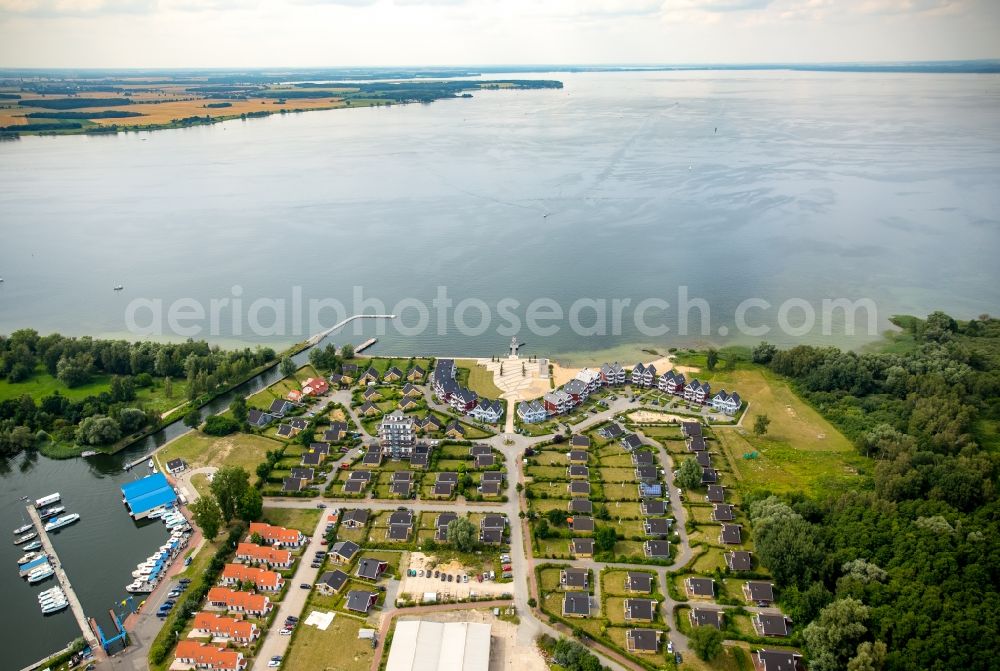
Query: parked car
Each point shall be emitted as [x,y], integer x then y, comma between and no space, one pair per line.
[420,573]
[285,632]
[465,578]
[437,573]
[444,577]
[321,505]
[450,577]
[305,585]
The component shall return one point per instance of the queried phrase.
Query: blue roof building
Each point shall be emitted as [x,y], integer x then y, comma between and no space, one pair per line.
[646,489]
[146,495]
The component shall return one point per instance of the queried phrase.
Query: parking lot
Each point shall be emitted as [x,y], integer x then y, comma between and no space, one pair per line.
[416,586]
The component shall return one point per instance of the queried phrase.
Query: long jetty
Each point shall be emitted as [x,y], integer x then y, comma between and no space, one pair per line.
[316,338]
[74,602]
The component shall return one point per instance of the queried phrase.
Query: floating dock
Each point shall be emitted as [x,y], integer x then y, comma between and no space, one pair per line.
[63,579]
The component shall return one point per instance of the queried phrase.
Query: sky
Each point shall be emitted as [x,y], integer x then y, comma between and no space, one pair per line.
[315,33]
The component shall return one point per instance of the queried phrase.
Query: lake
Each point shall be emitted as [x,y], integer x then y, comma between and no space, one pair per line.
[770,185]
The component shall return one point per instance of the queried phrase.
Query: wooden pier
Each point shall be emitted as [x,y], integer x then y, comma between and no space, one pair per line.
[365,345]
[316,338]
[74,602]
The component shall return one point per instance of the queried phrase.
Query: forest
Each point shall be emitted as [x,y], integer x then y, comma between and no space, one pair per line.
[116,409]
[901,573]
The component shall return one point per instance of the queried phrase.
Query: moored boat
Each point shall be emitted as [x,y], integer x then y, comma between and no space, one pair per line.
[42,574]
[25,538]
[28,557]
[51,512]
[54,608]
[60,522]
[48,500]
[20,530]
[33,545]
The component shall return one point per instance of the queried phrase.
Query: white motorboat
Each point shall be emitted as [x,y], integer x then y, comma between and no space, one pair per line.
[55,591]
[33,545]
[46,572]
[25,538]
[54,598]
[51,512]
[155,514]
[139,587]
[48,500]
[22,529]
[54,608]
[30,556]
[60,522]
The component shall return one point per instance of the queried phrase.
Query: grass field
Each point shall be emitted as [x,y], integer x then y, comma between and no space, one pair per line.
[42,384]
[303,519]
[478,378]
[239,449]
[336,648]
[800,452]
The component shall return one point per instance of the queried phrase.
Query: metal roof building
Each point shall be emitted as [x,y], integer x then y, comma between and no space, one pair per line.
[420,645]
[145,495]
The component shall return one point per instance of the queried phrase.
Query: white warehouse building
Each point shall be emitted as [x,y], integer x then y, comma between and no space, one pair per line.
[421,645]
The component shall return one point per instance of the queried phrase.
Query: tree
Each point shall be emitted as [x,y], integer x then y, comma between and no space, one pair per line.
[786,544]
[131,419]
[712,358]
[763,353]
[75,371]
[217,425]
[168,387]
[347,351]
[870,657]
[98,430]
[207,516]
[238,409]
[462,534]
[605,539]
[555,516]
[832,638]
[706,642]
[287,367]
[542,530]
[689,474]
[760,424]
[251,505]
[192,418]
[229,487]
[256,538]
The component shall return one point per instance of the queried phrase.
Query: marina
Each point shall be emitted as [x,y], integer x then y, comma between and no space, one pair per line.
[67,588]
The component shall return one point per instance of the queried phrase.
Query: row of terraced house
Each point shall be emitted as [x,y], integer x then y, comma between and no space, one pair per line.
[587,381]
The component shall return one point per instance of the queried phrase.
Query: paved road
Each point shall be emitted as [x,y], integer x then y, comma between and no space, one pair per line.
[294,601]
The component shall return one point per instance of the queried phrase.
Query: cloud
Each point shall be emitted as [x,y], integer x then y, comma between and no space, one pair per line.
[340,3]
[76,7]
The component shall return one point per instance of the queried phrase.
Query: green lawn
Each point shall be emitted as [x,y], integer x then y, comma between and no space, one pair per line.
[477,378]
[303,519]
[336,649]
[238,449]
[42,384]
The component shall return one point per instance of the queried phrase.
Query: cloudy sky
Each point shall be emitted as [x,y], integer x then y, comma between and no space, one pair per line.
[248,33]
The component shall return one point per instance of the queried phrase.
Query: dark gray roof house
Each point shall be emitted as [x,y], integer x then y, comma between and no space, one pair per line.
[371,569]
[578,472]
[631,441]
[332,581]
[705,617]
[582,546]
[257,418]
[489,487]
[492,476]
[441,525]
[637,581]
[485,460]
[612,431]
[708,475]
[704,459]
[279,407]
[344,551]
[444,488]
[758,591]
[722,512]
[574,578]
[355,486]
[576,604]
[477,450]
[361,601]
[354,518]
[730,534]
[640,609]
[703,587]
[579,488]
[776,660]
[646,473]
[579,440]
[697,444]
[653,507]
[581,506]
[642,458]
[583,523]
[716,494]
[303,473]
[739,560]
[642,640]
[656,526]
[657,549]
[767,624]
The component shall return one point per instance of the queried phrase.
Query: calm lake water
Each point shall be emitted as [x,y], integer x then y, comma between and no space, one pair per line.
[621,185]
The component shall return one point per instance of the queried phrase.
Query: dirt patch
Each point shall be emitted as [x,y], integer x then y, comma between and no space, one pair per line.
[647,416]
[416,586]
